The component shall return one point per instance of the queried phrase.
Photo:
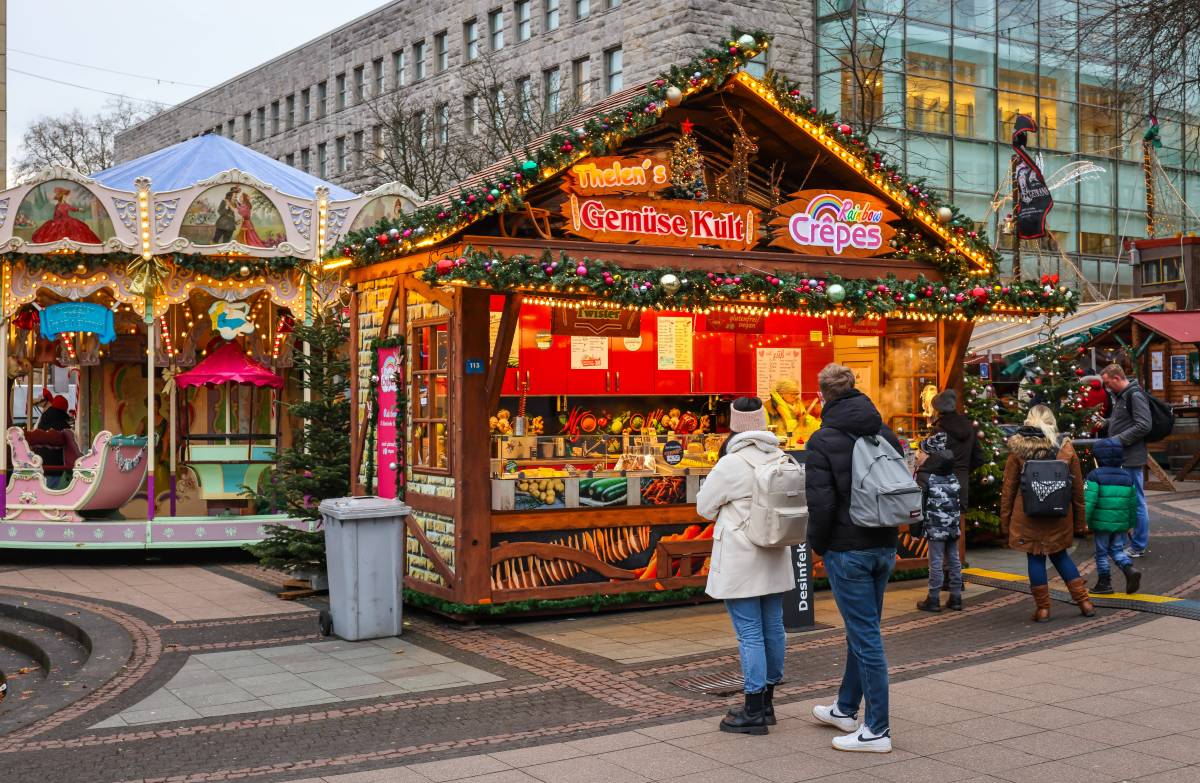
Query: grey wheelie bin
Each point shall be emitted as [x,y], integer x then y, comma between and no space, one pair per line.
[364,546]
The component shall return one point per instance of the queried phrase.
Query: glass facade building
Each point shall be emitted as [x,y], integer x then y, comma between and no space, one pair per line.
[944,80]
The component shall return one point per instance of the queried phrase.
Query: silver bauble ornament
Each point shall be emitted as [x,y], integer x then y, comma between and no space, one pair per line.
[670,283]
[836,292]
[746,41]
[674,96]
[945,214]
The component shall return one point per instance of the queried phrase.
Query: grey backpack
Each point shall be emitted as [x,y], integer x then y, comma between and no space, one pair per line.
[883,492]
[778,508]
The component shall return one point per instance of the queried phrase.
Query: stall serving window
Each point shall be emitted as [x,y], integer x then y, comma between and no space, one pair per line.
[1157,271]
[430,341]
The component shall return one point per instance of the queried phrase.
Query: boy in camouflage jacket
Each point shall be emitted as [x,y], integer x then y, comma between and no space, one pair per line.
[942,503]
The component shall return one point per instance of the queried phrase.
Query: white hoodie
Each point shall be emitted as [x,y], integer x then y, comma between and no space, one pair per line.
[738,568]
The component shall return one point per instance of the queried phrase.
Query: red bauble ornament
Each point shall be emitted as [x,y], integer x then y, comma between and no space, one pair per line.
[382,239]
[444,265]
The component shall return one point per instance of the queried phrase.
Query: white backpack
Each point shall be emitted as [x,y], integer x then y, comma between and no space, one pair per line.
[778,509]
[883,492]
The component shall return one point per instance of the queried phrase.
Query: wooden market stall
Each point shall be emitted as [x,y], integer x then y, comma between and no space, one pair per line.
[547,354]
[114,285]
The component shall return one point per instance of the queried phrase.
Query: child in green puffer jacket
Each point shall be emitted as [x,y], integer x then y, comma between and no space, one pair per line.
[1112,504]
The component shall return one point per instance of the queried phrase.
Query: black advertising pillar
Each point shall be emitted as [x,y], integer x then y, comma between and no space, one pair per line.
[798,613]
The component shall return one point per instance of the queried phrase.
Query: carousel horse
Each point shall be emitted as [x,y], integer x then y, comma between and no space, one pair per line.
[103,479]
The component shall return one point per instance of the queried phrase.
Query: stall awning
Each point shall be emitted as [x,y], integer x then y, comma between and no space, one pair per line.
[228,364]
[203,157]
[1182,327]
[1005,339]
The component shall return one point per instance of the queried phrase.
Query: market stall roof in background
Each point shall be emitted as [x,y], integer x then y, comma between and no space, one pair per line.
[195,160]
[1005,339]
[1182,327]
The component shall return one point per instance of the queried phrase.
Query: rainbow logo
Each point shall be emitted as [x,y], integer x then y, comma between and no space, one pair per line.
[837,223]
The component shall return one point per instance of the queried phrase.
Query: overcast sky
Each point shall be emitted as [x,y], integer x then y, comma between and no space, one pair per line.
[188,42]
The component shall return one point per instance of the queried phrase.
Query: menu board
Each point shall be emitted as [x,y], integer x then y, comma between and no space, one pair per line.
[674,343]
[589,353]
[494,332]
[772,365]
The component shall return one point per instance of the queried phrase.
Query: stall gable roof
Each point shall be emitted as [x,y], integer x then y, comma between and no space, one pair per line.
[203,157]
[1005,339]
[1180,326]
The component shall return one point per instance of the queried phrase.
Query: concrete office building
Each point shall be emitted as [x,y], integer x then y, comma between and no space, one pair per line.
[309,107]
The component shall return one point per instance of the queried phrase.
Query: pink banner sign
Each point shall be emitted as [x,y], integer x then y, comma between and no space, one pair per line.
[387,459]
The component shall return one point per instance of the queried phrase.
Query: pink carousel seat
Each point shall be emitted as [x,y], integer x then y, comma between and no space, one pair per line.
[105,478]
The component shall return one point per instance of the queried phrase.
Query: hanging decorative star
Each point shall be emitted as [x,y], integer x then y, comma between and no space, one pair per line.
[686,126]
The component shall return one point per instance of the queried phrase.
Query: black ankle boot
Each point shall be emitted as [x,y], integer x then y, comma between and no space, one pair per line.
[751,719]
[1133,578]
[932,602]
[1103,585]
[768,706]
[955,602]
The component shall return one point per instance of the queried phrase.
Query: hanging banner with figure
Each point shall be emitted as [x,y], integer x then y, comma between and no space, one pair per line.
[1033,199]
[387,457]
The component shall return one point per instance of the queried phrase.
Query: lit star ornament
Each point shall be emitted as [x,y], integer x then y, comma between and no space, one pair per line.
[686,126]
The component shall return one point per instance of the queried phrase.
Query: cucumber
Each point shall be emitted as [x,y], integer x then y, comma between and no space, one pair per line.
[613,493]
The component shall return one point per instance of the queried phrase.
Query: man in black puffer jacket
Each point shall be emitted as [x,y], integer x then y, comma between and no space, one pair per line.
[858,560]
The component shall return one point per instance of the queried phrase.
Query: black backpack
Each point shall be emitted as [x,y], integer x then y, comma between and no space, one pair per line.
[1046,487]
[1162,417]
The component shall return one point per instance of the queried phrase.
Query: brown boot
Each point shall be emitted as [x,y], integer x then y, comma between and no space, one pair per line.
[1079,594]
[1041,597]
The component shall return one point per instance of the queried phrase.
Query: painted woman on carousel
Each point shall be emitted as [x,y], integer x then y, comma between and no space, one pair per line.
[246,234]
[62,225]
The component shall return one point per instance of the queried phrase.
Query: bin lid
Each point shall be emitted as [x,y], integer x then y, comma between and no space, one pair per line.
[365,507]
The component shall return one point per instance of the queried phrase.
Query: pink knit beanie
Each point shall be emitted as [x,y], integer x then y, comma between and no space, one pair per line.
[746,414]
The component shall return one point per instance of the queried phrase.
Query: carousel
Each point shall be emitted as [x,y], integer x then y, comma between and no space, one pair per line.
[146,324]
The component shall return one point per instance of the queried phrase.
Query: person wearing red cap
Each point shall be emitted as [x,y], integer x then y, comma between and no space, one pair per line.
[57,416]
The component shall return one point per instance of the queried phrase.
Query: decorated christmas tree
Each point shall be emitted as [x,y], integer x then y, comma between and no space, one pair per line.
[1053,378]
[983,407]
[317,465]
[687,166]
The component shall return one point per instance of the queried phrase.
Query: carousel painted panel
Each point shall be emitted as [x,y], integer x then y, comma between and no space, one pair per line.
[162,533]
[60,209]
[388,201]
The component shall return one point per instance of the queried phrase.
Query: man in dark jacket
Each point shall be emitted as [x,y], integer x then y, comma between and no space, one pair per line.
[964,442]
[1129,423]
[858,560]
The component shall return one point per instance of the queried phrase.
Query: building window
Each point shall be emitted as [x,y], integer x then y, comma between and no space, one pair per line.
[471,39]
[377,142]
[524,21]
[322,160]
[419,60]
[441,52]
[340,90]
[306,160]
[430,343]
[611,4]
[614,63]
[525,96]
[421,123]
[378,69]
[471,114]
[275,117]
[442,123]
[581,80]
[261,122]
[757,66]
[551,90]
[360,84]
[339,147]
[246,128]
[399,69]
[358,149]
[305,105]
[290,112]
[582,9]
[322,99]
[1158,271]
[496,30]
[290,159]
[550,15]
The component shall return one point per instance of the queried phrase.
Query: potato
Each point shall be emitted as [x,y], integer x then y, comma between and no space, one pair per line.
[550,497]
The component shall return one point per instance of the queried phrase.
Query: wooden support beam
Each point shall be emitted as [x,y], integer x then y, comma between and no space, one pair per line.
[469,458]
[390,308]
[498,363]
[414,283]
[429,550]
[356,435]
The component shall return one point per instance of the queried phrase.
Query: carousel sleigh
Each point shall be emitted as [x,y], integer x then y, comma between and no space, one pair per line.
[104,478]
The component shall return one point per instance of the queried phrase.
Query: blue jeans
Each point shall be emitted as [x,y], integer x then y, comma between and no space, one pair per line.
[1110,545]
[1141,532]
[943,557]
[858,579]
[758,623]
[1062,563]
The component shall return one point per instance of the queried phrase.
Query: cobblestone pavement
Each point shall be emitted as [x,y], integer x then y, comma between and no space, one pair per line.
[979,693]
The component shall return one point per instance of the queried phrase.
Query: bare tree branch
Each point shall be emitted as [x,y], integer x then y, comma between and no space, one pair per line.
[81,142]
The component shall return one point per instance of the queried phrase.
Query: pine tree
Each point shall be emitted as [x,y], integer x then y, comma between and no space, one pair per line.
[317,465]
[983,407]
[1053,380]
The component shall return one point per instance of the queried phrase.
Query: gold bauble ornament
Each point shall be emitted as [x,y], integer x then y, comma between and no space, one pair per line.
[244,271]
[81,269]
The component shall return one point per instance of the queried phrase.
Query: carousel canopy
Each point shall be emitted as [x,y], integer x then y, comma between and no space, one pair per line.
[195,160]
[228,364]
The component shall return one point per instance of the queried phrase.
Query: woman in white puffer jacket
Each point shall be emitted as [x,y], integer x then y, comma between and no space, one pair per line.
[751,580]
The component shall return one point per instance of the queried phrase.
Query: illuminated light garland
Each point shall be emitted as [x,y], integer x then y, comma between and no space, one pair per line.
[69,343]
[567,282]
[166,336]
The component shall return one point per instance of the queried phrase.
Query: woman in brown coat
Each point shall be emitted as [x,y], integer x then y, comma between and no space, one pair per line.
[1042,537]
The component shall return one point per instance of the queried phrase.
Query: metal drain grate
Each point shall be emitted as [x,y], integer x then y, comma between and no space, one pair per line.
[716,684]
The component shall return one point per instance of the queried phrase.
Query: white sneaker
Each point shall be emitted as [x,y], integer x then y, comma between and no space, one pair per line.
[863,741]
[830,715]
